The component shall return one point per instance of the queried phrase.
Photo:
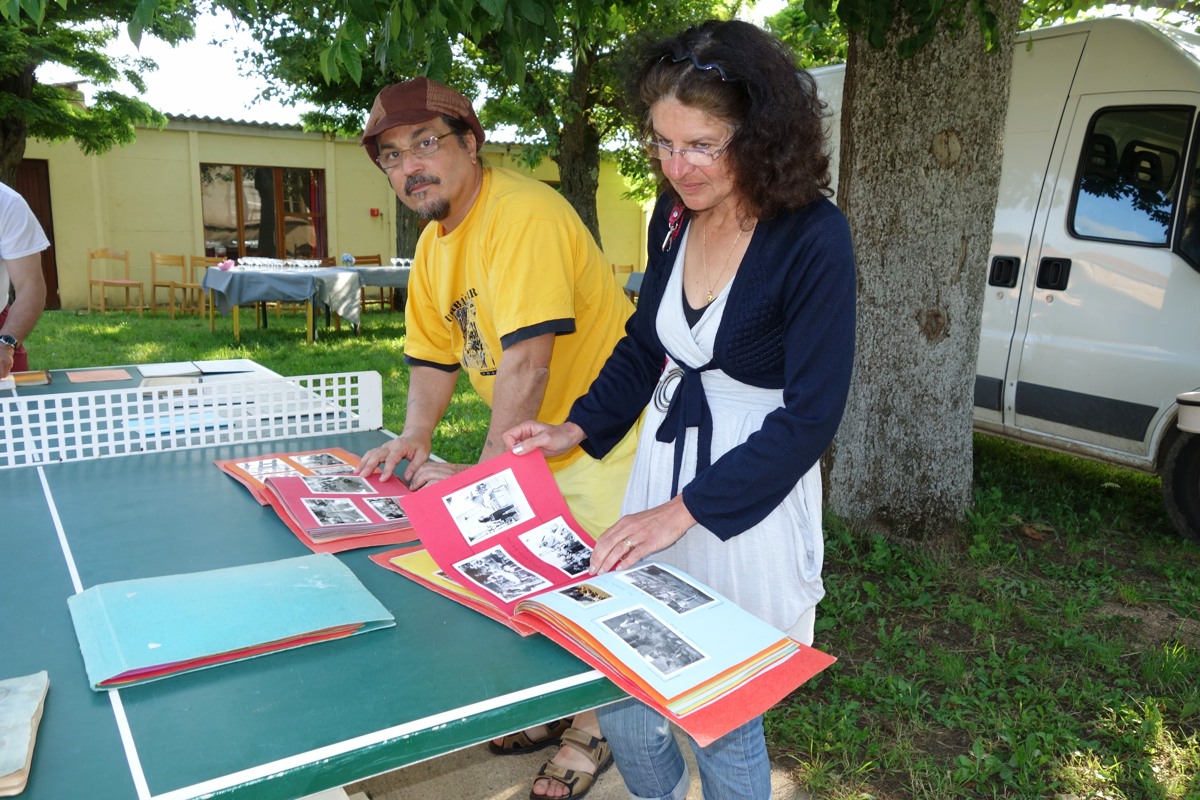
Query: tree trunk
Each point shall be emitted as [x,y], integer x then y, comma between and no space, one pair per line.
[920,168]
[578,156]
[13,130]
[408,230]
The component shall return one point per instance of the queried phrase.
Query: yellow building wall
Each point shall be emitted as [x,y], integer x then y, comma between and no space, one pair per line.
[147,196]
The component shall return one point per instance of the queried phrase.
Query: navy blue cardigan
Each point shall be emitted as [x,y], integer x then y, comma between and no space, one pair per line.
[788,324]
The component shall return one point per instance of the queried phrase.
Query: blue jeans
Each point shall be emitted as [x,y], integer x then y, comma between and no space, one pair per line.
[735,766]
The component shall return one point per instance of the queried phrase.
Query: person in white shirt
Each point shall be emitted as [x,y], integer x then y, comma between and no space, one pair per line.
[21,243]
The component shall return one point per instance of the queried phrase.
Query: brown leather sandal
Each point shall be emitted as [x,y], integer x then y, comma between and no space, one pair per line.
[519,743]
[578,783]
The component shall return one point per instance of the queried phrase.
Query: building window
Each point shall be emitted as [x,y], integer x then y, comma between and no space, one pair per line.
[273,212]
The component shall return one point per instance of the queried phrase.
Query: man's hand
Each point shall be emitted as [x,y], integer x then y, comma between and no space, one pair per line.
[6,361]
[434,471]
[389,455]
[30,298]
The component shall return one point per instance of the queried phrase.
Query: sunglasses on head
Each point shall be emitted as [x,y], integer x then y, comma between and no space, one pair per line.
[696,63]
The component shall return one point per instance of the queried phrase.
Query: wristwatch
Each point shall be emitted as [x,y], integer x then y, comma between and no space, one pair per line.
[9,341]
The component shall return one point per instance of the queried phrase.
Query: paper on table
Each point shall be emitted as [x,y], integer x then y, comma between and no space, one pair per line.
[21,703]
[177,369]
[168,369]
[94,375]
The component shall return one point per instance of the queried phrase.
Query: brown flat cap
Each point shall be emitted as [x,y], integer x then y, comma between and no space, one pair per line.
[416,101]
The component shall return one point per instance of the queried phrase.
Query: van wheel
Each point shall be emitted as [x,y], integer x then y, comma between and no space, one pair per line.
[1181,484]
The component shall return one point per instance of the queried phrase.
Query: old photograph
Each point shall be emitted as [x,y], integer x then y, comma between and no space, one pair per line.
[267,466]
[667,588]
[387,507]
[333,511]
[342,469]
[659,645]
[559,546]
[496,571]
[314,460]
[337,484]
[489,507]
[584,593]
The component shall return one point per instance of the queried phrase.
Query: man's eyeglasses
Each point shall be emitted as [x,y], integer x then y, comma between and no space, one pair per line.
[696,156]
[390,159]
[696,63]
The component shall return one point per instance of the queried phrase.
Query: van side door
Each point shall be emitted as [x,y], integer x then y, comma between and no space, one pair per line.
[1110,311]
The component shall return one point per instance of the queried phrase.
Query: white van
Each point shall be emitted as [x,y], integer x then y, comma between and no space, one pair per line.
[1091,320]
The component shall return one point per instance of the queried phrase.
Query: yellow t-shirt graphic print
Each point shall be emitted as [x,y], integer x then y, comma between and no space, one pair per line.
[476,356]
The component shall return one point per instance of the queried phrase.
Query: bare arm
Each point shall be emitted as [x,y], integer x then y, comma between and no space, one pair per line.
[520,388]
[30,287]
[429,393]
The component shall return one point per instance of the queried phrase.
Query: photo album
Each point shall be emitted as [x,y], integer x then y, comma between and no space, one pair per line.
[499,538]
[322,502]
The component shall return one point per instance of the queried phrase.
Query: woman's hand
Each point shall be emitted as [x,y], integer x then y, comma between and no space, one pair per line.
[552,440]
[640,535]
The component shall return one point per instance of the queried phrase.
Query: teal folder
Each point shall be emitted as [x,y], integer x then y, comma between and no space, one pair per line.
[151,628]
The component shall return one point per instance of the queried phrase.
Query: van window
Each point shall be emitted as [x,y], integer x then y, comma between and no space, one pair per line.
[1189,229]
[1129,174]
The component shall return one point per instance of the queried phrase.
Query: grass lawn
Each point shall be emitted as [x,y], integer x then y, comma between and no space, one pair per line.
[1049,649]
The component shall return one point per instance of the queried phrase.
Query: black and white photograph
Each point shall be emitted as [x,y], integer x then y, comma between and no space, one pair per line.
[267,466]
[667,588]
[559,546]
[344,469]
[314,460]
[329,511]
[489,507]
[337,484]
[659,645]
[584,593]
[496,571]
[387,507]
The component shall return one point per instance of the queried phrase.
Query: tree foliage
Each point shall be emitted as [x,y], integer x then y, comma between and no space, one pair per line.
[552,71]
[75,35]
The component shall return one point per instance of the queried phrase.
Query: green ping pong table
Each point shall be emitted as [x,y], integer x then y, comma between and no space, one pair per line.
[87,503]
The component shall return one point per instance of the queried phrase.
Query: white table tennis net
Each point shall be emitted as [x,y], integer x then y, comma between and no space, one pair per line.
[73,426]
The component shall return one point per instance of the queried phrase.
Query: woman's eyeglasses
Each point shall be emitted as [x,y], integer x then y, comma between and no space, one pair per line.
[696,156]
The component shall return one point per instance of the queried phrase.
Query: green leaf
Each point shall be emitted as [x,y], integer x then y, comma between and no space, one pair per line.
[364,11]
[818,10]
[328,62]
[533,12]
[349,56]
[494,8]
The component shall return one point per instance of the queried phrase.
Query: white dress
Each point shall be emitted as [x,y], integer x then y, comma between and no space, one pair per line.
[772,570]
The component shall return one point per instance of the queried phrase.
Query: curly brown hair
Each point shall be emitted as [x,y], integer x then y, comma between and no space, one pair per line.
[742,75]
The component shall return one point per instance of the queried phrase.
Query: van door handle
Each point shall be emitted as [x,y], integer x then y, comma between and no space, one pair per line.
[1004,271]
[1053,273]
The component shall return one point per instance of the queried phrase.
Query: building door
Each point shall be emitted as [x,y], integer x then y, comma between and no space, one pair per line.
[33,183]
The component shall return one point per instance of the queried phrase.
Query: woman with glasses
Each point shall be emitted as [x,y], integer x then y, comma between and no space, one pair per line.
[740,354]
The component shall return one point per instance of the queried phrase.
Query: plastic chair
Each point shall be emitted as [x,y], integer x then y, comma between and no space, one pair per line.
[100,264]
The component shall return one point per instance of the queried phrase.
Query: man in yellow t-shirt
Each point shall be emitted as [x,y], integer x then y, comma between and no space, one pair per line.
[508,284]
